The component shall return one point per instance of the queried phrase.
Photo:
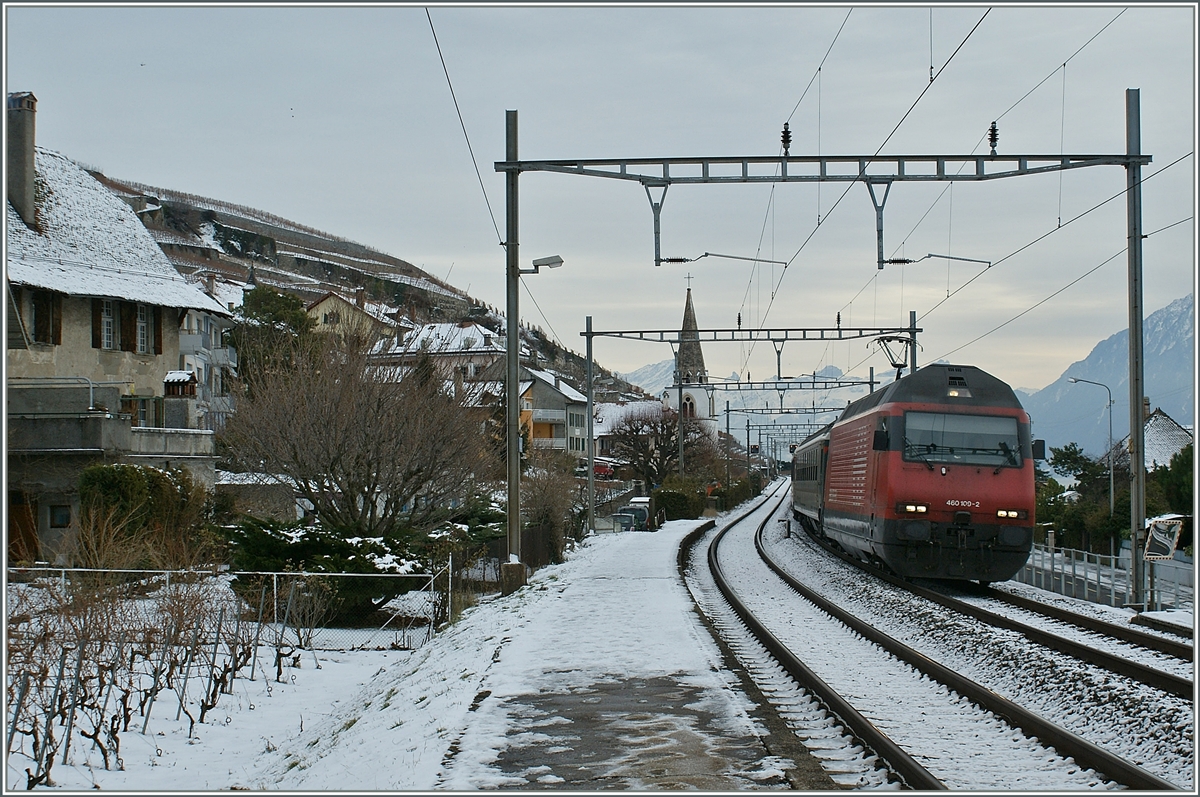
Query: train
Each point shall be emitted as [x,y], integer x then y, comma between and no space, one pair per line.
[931,476]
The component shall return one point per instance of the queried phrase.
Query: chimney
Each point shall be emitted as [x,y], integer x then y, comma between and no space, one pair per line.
[360,297]
[210,283]
[21,108]
[1145,408]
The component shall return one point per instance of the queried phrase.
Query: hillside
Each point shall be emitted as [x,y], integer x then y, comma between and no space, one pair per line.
[200,234]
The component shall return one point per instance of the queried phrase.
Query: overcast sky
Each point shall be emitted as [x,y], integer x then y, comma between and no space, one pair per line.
[341,119]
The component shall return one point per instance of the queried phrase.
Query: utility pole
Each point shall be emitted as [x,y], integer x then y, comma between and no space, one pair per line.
[728,442]
[747,451]
[591,447]
[1137,423]
[512,572]
[912,347]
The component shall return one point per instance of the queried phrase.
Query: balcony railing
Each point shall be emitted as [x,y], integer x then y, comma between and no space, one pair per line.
[559,443]
[193,343]
[550,416]
[223,357]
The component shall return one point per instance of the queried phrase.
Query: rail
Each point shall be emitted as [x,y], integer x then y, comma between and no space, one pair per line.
[1066,743]
[904,765]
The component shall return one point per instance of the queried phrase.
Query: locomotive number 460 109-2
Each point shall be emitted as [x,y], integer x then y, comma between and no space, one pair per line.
[956,502]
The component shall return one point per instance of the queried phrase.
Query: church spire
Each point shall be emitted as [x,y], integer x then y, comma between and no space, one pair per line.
[691,368]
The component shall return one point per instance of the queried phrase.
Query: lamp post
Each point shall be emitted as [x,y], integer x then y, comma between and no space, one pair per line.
[512,572]
[1110,442]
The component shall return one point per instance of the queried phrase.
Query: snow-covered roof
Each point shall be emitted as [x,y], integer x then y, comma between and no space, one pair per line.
[464,338]
[229,292]
[229,477]
[179,376]
[1164,438]
[560,385]
[92,244]
[382,312]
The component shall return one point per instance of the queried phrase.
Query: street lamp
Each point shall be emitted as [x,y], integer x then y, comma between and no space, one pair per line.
[1110,442]
[514,569]
[1109,456]
[554,261]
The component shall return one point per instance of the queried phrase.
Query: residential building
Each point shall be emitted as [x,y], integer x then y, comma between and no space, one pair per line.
[369,320]
[94,311]
[609,416]
[554,412]
[463,351]
[1164,438]
[204,350]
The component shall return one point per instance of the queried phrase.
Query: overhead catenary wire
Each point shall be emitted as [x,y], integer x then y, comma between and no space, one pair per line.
[998,117]
[1078,279]
[1045,235]
[867,162]
[475,163]
[767,213]
[1052,295]
[463,124]
[862,169]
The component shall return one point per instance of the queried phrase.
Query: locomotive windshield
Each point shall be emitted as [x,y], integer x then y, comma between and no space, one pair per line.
[963,439]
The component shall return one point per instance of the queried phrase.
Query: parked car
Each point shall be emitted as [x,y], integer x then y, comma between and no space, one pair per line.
[641,511]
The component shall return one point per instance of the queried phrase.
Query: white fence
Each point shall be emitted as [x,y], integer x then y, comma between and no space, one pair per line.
[1106,579]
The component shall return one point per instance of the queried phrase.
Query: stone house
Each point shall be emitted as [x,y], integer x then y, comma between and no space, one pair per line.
[93,313]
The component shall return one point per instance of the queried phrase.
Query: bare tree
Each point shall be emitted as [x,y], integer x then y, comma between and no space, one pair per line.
[648,439]
[375,449]
[548,492]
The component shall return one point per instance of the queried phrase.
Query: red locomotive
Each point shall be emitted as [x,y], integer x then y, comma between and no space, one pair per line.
[932,476]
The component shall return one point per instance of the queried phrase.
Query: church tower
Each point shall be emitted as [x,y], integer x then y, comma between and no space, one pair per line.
[690,365]
[689,370]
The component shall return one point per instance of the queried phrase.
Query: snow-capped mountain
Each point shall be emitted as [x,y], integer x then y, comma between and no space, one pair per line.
[1065,412]
[652,378]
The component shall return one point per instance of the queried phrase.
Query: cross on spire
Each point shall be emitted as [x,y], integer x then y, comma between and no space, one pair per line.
[689,279]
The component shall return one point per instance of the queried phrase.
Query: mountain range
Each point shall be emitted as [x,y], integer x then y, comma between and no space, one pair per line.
[1062,412]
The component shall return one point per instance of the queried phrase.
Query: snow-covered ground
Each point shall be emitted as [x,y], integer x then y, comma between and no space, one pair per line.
[368,720]
[456,713]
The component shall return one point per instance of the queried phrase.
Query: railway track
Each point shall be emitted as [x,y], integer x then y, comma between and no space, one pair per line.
[891,684]
[1150,659]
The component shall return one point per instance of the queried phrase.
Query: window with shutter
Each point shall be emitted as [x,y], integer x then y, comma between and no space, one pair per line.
[108,324]
[143,329]
[43,316]
[127,317]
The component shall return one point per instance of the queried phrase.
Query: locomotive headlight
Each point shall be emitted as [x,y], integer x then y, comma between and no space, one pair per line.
[913,508]
[1012,513]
